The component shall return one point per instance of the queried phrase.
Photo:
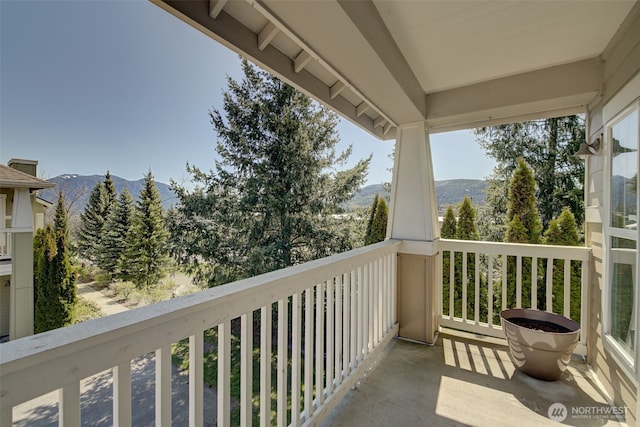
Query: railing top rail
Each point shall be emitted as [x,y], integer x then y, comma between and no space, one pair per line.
[112,339]
[579,253]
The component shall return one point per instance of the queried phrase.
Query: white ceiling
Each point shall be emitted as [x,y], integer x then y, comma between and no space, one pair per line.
[452,63]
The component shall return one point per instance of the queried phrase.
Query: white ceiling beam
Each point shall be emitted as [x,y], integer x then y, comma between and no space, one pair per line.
[215,7]
[380,121]
[387,128]
[267,34]
[367,19]
[362,108]
[301,60]
[337,88]
[566,87]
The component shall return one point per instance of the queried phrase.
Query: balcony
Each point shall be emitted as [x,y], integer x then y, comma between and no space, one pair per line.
[290,345]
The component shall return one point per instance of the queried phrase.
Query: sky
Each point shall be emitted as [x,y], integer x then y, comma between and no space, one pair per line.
[95,85]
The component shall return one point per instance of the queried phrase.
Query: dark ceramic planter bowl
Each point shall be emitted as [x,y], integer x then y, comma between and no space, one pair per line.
[539,353]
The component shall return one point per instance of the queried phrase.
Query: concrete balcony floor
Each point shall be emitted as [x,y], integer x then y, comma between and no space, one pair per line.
[465,381]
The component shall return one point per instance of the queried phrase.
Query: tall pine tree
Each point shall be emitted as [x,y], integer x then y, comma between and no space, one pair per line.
[449,225]
[92,223]
[269,202]
[145,258]
[54,282]
[377,229]
[523,226]
[114,241]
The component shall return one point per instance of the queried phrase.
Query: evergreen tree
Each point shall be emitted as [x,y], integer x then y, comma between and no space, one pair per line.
[270,201]
[523,223]
[466,227]
[92,223]
[449,226]
[115,235]
[377,232]
[448,231]
[523,226]
[145,257]
[46,299]
[564,231]
[549,146]
[372,214]
[110,191]
[54,282]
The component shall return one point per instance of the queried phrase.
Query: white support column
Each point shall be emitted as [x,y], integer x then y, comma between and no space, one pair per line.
[413,213]
[21,309]
[413,218]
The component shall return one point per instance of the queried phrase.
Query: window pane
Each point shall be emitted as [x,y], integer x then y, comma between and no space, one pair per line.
[623,270]
[624,172]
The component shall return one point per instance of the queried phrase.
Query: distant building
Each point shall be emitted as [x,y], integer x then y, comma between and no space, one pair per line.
[21,212]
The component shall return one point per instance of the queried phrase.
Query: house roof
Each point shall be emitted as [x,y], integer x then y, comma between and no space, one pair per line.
[453,64]
[13,178]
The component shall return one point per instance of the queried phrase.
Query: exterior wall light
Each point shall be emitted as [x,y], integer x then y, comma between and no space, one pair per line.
[589,148]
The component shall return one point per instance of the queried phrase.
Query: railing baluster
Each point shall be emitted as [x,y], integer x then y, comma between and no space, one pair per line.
[567,288]
[337,361]
[464,286]
[505,267]
[121,394]
[366,308]
[518,281]
[296,326]
[476,305]
[163,386]
[282,363]
[196,403]
[246,369]
[330,336]
[355,315]
[319,344]
[308,353]
[346,324]
[490,289]
[452,284]
[265,366]
[534,282]
[69,405]
[549,288]
[224,373]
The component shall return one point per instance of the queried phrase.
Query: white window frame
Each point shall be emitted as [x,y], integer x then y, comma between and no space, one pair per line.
[626,102]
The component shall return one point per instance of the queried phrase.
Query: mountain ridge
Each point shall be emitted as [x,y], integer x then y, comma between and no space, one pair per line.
[79,187]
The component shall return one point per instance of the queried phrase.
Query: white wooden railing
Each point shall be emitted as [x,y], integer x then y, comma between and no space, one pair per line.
[490,277]
[333,316]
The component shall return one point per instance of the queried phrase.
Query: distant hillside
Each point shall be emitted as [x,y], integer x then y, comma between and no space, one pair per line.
[452,191]
[448,192]
[80,186]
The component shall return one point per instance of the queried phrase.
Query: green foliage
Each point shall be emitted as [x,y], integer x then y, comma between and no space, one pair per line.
[86,310]
[549,146]
[54,283]
[272,198]
[124,289]
[564,231]
[523,223]
[449,226]
[145,258]
[372,214]
[114,241]
[377,225]
[110,191]
[466,228]
[92,223]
